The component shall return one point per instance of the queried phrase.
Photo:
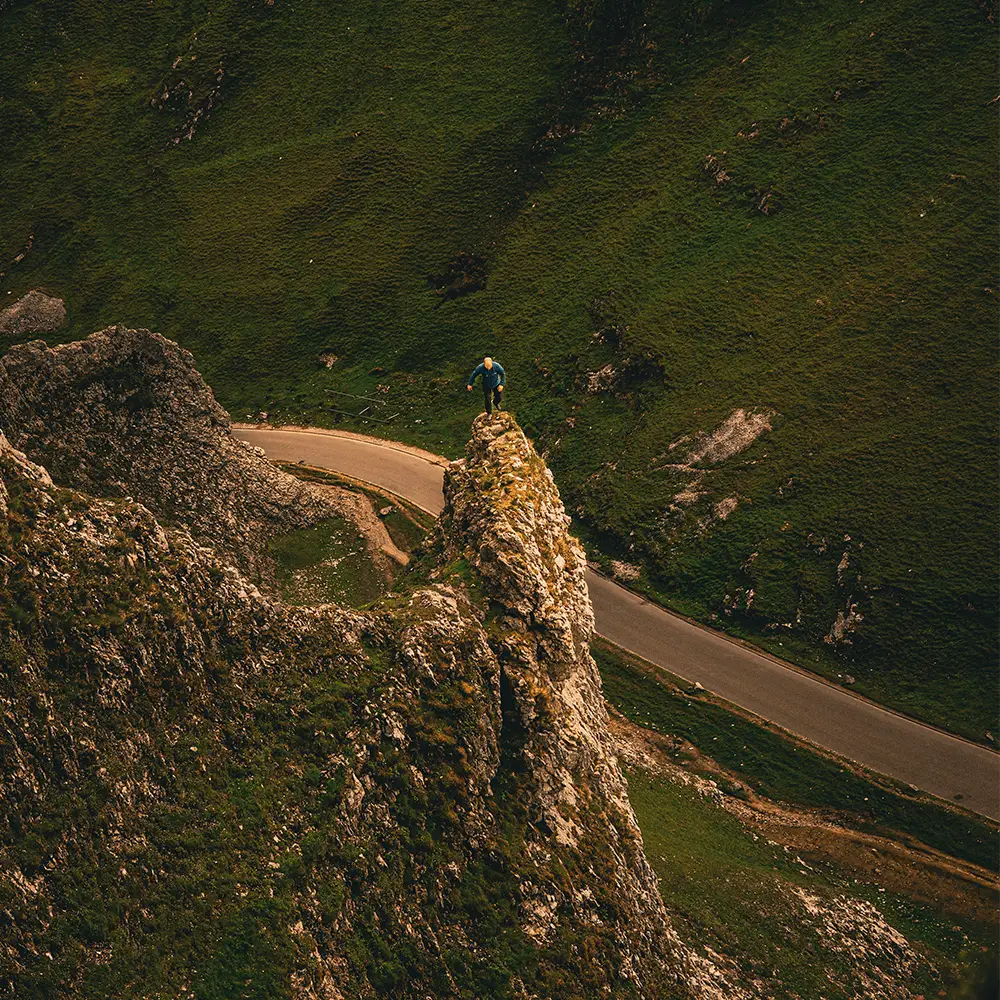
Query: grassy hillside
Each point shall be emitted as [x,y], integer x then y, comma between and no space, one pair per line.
[730,874]
[735,890]
[775,207]
[772,765]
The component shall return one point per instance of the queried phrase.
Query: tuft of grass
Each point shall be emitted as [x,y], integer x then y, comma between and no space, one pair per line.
[405,530]
[347,155]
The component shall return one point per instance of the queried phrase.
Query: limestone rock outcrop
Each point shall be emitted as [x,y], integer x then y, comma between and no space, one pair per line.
[206,786]
[34,312]
[126,413]
[503,513]
[208,792]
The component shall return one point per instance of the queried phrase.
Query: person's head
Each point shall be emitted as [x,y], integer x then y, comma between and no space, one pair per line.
[488,362]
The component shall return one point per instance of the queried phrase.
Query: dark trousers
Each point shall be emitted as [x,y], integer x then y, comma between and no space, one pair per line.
[491,398]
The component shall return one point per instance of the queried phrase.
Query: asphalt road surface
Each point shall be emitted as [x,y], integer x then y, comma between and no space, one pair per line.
[807,706]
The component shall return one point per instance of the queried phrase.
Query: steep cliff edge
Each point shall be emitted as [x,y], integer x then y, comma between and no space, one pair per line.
[504,515]
[207,792]
[126,413]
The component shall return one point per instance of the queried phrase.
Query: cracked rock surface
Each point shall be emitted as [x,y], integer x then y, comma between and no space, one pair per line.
[125,413]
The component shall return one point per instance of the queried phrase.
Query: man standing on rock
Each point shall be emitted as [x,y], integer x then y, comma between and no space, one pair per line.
[494,379]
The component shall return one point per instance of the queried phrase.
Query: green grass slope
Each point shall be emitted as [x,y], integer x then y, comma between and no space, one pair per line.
[787,771]
[733,890]
[729,885]
[408,187]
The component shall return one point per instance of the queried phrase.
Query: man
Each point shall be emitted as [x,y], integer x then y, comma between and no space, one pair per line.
[494,379]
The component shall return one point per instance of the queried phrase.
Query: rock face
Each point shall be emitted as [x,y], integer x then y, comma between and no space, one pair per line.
[185,756]
[503,514]
[504,517]
[35,312]
[207,789]
[206,792]
[126,413]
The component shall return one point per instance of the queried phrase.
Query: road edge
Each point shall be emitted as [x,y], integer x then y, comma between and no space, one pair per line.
[749,647]
[406,449]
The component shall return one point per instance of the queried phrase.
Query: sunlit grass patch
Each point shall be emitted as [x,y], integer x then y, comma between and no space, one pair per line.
[328,562]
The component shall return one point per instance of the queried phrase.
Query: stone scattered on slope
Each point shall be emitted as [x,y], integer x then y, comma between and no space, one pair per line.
[35,312]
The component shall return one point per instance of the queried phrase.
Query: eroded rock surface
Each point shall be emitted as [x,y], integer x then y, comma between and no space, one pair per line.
[205,786]
[125,413]
[503,513]
[504,516]
[202,757]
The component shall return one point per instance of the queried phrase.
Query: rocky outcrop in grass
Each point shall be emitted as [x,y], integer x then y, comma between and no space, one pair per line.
[210,792]
[34,312]
[503,515]
[125,413]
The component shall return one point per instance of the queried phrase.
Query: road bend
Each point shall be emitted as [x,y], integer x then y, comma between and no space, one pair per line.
[838,720]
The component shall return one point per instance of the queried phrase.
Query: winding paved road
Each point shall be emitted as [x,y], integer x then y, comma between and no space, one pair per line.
[801,703]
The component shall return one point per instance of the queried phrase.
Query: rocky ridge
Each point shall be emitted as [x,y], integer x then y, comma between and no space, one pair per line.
[207,787]
[503,514]
[125,413]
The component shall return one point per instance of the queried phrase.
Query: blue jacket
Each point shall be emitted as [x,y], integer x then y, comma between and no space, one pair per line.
[491,378]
